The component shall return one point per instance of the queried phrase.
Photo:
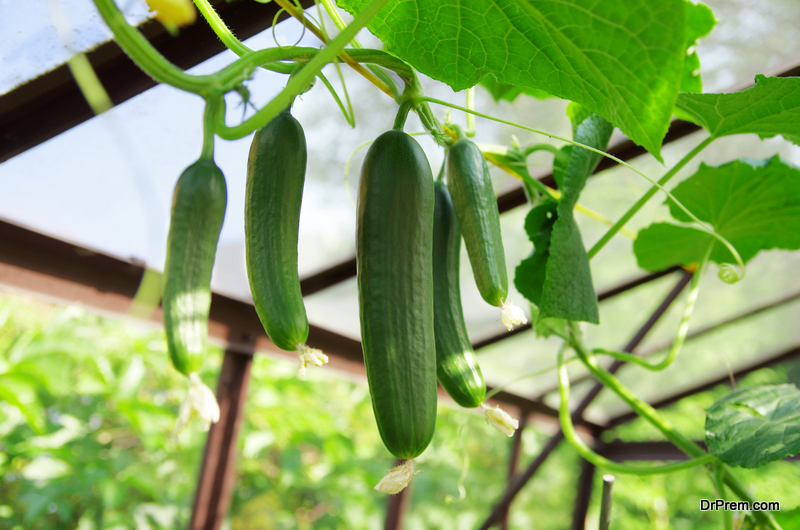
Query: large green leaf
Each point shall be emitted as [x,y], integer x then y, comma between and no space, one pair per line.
[751,427]
[769,108]
[556,277]
[754,204]
[622,59]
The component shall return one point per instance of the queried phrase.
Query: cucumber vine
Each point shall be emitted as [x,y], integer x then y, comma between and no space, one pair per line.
[303,65]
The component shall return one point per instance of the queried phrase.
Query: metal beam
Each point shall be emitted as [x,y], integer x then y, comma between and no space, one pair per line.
[649,451]
[213,494]
[584,496]
[50,104]
[397,505]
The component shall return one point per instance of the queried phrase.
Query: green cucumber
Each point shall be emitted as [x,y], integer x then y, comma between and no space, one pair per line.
[476,209]
[198,209]
[456,365]
[276,172]
[394,244]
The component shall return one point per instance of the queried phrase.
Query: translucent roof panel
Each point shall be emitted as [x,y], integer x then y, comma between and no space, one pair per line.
[39,36]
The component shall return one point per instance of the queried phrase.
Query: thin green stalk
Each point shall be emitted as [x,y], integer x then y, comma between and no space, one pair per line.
[440,176]
[558,153]
[706,228]
[402,114]
[212,105]
[152,62]
[470,117]
[302,79]
[649,413]
[719,472]
[680,335]
[379,72]
[640,407]
[740,491]
[221,29]
[349,117]
[647,196]
[600,461]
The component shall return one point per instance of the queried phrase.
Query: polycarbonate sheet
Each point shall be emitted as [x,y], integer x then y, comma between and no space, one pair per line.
[39,35]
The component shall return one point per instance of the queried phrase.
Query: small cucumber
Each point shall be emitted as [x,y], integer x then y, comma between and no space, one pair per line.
[198,209]
[276,172]
[457,367]
[476,209]
[394,244]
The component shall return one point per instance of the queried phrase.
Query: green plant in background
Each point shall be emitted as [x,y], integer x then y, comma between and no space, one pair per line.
[86,423]
[89,442]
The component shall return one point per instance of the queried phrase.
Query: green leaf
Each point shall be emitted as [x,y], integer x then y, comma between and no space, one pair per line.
[769,108]
[568,292]
[623,59]
[530,273]
[754,204]
[504,92]
[751,427]
[699,23]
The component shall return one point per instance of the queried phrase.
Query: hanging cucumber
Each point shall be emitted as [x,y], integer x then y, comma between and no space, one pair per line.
[457,367]
[198,209]
[276,172]
[395,291]
[476,208]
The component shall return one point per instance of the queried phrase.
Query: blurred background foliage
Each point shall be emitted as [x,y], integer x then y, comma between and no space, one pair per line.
[88,405]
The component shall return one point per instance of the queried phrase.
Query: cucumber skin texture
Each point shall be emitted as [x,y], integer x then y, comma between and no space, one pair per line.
[198,209]
[394,243]
[456,366]
[476,208]
[276,171]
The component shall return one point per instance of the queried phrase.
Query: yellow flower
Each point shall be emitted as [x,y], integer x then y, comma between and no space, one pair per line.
[173,13]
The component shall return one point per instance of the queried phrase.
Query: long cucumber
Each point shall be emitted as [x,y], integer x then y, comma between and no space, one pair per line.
[198,209]
[394,241]
[456,366]
[476,208]
[276,171]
